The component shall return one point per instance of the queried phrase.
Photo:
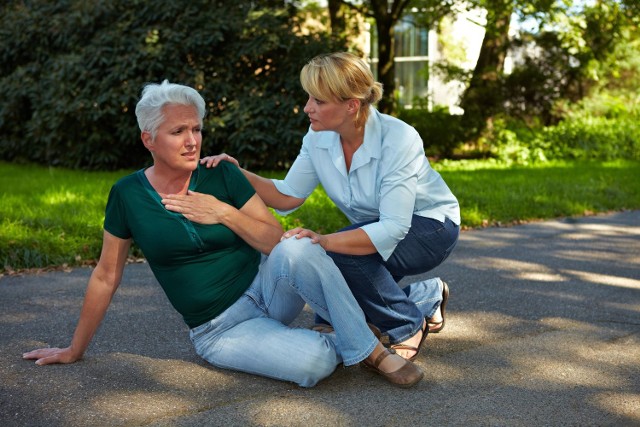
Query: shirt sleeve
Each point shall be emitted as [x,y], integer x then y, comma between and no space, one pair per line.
[115,215]
[239,188]
[398,183]
[301,179]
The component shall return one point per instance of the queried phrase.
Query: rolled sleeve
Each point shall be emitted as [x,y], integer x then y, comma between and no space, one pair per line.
[385,236]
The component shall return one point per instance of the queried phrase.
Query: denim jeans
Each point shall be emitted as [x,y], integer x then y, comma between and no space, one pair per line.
[397,311]
[252,335]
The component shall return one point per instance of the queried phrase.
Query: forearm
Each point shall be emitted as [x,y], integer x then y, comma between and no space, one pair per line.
[261,235]
[96,302]
[270,194]
[351,242]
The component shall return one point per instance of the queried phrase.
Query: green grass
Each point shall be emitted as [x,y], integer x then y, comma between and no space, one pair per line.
[53,217]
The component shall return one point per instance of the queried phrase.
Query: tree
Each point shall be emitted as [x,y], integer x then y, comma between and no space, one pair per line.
[482,97]
[570,38]
[386,15]
[71,82]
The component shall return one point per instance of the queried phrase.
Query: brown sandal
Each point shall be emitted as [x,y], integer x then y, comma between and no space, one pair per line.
[407,376]
[425,332]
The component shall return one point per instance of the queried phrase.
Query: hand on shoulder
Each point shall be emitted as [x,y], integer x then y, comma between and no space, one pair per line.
[213,161]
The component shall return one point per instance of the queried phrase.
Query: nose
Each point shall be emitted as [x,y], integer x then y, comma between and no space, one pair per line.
[307,106]
[191,139]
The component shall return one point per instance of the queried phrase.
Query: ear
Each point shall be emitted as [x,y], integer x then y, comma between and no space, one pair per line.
[147,140]
[353,105]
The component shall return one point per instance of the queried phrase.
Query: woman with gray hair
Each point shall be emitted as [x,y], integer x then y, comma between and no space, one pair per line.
[404,218]
[216,250]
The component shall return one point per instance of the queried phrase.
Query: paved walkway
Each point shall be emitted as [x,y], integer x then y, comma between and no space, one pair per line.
[543,328]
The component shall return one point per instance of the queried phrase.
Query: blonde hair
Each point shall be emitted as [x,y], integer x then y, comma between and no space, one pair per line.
[340,76]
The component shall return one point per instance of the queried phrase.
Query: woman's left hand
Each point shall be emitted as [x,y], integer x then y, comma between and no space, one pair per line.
[299,233]
[196,207]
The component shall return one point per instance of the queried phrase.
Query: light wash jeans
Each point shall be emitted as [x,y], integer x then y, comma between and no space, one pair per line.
[373,281]
[252,335]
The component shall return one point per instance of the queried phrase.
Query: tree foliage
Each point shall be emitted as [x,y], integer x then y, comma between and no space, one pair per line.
[71,81]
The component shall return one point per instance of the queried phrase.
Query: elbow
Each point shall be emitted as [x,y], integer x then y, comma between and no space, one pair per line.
[109,277]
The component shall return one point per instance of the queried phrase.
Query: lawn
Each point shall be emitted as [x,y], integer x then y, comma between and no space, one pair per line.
[52,217]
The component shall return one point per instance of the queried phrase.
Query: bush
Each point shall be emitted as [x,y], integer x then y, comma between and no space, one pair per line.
[591,138]
[70,83]
[441,131]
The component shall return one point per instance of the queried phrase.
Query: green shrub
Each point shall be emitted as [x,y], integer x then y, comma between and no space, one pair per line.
[591,138]
[71,80]
[441,132]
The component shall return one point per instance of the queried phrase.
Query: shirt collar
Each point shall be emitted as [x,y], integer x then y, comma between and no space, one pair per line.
[371,147]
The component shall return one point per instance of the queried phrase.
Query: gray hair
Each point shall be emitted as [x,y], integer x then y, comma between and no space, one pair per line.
[155,96]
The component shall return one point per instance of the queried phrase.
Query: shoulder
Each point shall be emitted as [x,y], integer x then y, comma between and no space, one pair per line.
[127,181]
[393,134]
[320,139]
[394,126]
[221,171]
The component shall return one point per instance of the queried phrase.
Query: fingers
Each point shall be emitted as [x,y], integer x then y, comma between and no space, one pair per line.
[299,233]
[290,233]
[43,356]
[213,161]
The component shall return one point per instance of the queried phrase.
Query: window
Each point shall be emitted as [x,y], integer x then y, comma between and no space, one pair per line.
[411,61]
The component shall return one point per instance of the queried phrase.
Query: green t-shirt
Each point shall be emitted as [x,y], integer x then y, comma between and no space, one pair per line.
[203,269]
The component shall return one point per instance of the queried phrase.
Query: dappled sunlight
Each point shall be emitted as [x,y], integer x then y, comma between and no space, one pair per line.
[475,325]
[611,230]
[505,238]
[137,407]
[17,318]
[576,353]
[61,196]
[619,403]
[175,374]
[521,270]
[278,410]
[541,277]
[143,389]
[604,279]
[575,255]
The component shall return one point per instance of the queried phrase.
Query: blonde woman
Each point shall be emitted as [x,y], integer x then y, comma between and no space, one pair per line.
[404,218]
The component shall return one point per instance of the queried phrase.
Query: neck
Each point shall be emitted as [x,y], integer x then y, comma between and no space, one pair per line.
[353,138]
[168,181]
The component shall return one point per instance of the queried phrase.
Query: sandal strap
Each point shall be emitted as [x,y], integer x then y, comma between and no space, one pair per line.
[395,347]
[386,353]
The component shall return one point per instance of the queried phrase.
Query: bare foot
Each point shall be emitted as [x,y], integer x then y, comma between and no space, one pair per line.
[413,342]
[389,364]
[435,320]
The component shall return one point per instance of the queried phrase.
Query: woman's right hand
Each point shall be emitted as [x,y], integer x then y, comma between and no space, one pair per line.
[213,161]
[47,356]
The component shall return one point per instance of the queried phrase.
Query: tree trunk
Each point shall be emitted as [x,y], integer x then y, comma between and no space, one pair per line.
[482,99]
[386,65]
[336,18]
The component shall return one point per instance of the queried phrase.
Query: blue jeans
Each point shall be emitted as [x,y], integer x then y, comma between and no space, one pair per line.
[252,335]
[374,282]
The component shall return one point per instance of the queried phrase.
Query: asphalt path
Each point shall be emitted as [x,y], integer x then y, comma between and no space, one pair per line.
[543,328]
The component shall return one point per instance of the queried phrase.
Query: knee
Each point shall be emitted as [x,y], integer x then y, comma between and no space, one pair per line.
[317,368]
[298,249]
